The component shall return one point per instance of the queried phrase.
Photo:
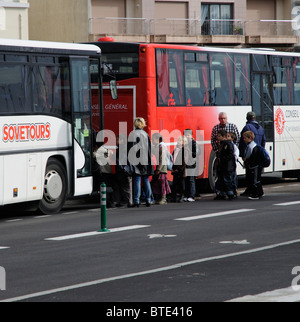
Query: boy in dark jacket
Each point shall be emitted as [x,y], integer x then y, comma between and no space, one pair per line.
[254,185]
[226,168]
[259,138]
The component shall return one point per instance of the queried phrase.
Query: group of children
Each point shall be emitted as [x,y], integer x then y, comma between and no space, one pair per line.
[134,183]
[183,169]
[227,161]
[131,182]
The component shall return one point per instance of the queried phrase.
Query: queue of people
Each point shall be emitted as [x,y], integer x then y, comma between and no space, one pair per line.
[228,145]
[139,167]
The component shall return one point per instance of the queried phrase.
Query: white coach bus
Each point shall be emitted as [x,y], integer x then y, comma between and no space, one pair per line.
[46,131]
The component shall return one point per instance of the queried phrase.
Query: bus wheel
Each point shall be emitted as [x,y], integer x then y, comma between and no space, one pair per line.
[212,171]
[55,188]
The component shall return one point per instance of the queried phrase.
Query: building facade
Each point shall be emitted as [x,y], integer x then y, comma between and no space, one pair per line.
[59,20]
[234,23]
[209,22]
[14,19]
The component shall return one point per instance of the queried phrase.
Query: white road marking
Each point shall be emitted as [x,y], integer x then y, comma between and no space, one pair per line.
[281,295]
[1,248]
[70,213]
[285,204]
[152,271]
[236,242]
[96,233]
[152,236]
[41,217]
[217,214]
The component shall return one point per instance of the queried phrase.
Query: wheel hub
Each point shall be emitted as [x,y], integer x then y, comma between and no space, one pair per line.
[53,186]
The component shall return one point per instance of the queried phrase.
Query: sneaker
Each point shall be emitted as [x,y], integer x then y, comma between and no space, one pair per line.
[253,198]
[185,199]
[191,200]
[162,201]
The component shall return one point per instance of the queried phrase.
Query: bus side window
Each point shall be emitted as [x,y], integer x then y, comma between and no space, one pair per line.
[177,77]
[48,91]
[297,81]
[14,84]
[196,84]
[283,79]
[222,85]
[242,83]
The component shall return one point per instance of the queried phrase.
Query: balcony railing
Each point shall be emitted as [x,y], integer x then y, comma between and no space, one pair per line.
[190,27]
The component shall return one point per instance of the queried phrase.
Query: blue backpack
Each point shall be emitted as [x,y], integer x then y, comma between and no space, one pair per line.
[263,158]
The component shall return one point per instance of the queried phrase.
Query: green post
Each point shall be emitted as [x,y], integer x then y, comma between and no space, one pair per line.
[103,208]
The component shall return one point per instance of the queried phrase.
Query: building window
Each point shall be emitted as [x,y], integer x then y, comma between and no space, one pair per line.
[217,19]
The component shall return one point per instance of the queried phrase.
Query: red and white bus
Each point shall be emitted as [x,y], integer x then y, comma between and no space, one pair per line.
[175,87]
[46,134]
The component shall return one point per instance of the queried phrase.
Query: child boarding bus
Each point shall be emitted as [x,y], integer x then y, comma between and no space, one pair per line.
[46,130]
[175,87]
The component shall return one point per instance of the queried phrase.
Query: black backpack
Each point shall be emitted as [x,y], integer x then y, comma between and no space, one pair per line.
[263,157]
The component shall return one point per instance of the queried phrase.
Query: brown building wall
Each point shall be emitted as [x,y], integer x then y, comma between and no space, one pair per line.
[59,20]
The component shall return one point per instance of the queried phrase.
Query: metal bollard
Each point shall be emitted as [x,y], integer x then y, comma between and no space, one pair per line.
[103,208]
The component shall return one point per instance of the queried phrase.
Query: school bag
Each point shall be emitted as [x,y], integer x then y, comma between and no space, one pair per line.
[263,157]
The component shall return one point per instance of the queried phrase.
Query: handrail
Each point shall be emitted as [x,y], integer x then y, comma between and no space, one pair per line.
[190,27]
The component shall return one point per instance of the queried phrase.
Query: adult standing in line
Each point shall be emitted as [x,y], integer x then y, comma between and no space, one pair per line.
[253,126]
[139,157]
[223,125]
[260,139]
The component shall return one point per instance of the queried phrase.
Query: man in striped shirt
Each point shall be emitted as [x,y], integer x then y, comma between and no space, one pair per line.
[223,125]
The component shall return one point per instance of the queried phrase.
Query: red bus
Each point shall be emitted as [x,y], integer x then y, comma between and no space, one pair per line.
[175,87]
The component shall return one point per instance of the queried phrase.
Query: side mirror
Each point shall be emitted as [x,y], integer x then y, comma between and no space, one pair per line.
[113,89]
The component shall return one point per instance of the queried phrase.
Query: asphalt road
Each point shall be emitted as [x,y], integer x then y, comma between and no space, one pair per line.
[207,251]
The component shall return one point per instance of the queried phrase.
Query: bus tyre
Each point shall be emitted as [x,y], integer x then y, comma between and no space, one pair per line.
[55,188]
[212,170]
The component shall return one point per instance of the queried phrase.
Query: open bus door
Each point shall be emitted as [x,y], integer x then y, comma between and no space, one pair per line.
[82,126]
[263,106]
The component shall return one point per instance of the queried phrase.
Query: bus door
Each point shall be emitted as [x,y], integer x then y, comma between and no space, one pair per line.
[263,106]
[82,126]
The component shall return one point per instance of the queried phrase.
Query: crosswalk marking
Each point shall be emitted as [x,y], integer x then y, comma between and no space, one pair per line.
[285,204]
[96,233]
[217,214]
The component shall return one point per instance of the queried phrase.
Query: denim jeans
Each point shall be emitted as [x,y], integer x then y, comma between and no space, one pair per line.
[190,187]
[137,189]
[227,181]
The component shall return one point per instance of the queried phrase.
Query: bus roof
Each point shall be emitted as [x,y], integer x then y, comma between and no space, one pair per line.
[47,47]
[132,47]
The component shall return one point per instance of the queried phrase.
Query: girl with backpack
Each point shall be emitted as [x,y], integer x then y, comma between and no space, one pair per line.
[159,183]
